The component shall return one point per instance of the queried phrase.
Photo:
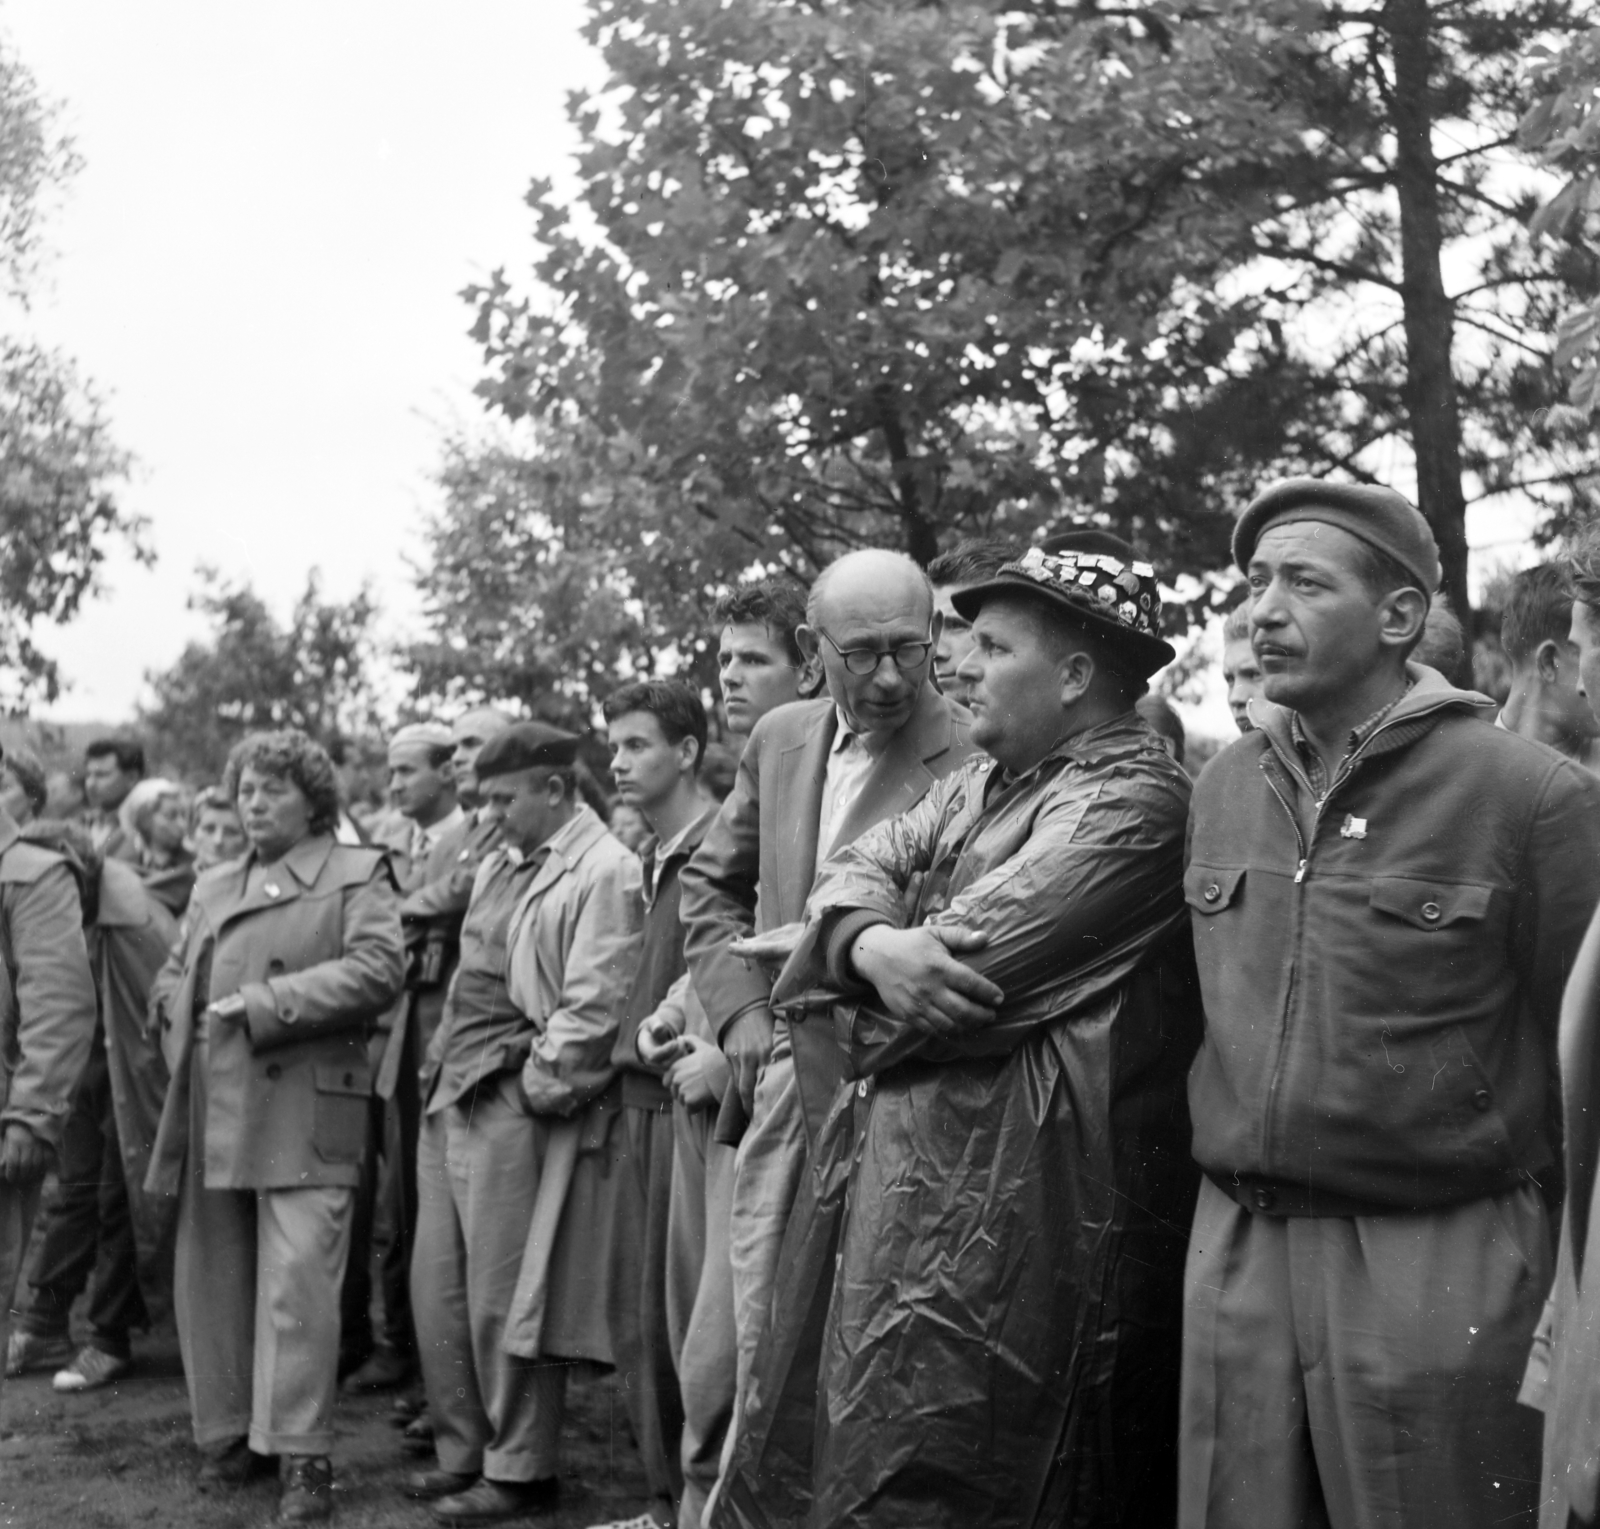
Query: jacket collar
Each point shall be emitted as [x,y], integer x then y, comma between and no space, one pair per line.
[657,856]
[566,847]
[9,832]
[225,892]
[123,902]
[900,773]
[1431,696]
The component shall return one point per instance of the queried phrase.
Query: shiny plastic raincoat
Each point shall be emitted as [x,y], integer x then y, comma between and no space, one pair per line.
[999,1339]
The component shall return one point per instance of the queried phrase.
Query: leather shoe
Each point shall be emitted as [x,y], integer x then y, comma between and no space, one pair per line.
[384,1369]
[496,1502]
[437,1482]
[234,1464]
[307,1496]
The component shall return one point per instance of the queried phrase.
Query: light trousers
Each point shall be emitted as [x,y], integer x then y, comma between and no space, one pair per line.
[478,1167]
[1361,1372]
[766,1182]
[256,1285]
[700,1301]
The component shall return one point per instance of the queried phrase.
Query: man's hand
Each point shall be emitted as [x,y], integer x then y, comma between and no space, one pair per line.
[747,1044]
[23,1157]
[231,1007]
[699,1075]
[774,947]
[657,1042]
[919,979]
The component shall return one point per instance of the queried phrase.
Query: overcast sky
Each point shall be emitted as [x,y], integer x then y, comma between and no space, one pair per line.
[259,266]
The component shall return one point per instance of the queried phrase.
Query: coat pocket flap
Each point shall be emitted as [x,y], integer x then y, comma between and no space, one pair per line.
[1211,888]
[350,1079]
[1430,904]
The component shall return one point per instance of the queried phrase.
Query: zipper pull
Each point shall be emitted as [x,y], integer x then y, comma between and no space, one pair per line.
[1300,873]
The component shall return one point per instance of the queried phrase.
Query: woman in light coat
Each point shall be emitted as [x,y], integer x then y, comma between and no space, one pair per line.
[287,956]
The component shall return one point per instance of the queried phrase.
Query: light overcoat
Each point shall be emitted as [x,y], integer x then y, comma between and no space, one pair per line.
[316,952]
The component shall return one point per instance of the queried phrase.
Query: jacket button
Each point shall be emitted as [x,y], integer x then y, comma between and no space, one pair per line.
[861,1089]
[1212,893]
[1264,1199]
[1481,1100]
[1431,912]
[274,1071]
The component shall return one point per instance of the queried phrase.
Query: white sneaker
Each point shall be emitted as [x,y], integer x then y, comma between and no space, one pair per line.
[92,1369]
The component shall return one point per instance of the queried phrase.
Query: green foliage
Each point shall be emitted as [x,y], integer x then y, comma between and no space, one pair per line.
[876,272]
[253,673]
[58,462]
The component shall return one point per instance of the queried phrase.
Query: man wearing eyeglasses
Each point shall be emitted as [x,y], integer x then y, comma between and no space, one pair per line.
[814,776]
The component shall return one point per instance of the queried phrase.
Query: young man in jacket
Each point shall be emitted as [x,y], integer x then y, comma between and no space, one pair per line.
[657,733]
[1008,965]
[1386,895]
[517,1166]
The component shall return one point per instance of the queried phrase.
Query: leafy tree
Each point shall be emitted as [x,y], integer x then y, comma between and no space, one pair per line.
[253,672]
[58,517]
[883,272]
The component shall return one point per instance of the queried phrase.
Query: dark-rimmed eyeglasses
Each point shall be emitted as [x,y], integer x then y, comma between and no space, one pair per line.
[909,655]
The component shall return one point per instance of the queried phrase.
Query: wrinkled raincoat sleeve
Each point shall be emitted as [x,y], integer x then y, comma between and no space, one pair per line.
[1069,915]
[570,1061]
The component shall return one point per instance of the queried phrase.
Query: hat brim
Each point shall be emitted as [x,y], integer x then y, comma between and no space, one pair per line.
[1144,655]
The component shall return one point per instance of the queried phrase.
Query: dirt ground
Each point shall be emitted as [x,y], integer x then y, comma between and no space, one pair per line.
[124,1456]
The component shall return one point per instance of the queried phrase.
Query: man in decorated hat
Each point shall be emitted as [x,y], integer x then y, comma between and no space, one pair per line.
[518,1149]
[1007,965]
[1386,897]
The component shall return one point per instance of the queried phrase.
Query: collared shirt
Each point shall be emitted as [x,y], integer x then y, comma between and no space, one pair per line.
[654,855]
[848,765]
[1316,771]
[424,839]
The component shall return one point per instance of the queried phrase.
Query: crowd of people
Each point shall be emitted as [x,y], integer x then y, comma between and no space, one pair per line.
[956,1116]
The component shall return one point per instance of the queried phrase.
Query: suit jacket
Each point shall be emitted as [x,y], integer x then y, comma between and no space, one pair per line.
[315,952]
[47,999]
[754,869]
[1564,1377]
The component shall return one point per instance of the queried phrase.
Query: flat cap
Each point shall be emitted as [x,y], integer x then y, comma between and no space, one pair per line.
[432,735]
[1379,516]
[526,746]
[1118,602]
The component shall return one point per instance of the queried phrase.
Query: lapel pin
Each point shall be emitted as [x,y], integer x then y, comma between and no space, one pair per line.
[271,889]
[1354,827]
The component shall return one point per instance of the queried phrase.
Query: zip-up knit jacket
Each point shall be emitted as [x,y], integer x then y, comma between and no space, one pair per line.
[1382,969]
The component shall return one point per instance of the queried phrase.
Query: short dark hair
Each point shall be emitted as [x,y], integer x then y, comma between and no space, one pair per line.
[972,559]
[1381,573]
[778,602]
[129,753]
[675,705]
[1538,610]
[290,755]
[1583,565]
[1164,720]
[22,762]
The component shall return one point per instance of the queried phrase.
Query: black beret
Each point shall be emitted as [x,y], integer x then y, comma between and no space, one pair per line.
[526,746]
[1379,516]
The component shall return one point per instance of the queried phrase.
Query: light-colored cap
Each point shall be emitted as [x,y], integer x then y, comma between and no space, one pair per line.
[429,735]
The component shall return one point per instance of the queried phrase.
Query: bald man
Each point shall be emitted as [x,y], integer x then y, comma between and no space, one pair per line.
[814,776]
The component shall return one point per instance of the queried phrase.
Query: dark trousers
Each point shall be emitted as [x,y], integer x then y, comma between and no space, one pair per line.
[636,1302]
[88,1228]
[385,1221]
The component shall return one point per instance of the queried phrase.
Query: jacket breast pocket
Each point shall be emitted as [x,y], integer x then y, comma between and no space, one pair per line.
[1431,905]
[1432,952]
[339,1126]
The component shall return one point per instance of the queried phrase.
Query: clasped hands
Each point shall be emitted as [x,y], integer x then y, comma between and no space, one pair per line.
[696,1070]
[920,981]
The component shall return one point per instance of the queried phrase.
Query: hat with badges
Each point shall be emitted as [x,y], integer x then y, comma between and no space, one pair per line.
[1117,600]
[526,746]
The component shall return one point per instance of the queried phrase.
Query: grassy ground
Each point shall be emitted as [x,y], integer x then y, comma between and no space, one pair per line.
[124,1456]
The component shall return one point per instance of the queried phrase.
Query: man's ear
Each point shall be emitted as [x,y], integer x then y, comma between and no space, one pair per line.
[1402,613]
[687,749]
[1547,661]
[809,643]
[1077,677]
